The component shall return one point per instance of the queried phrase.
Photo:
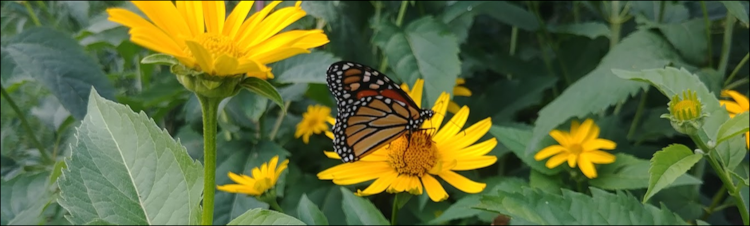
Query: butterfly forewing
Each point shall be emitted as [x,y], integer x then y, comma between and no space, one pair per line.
[372,110]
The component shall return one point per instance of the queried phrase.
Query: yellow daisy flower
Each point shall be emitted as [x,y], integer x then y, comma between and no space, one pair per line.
[410,164]
[739,105]
[581,146]
[263,178]
[313,121]
[458,90]
[203,38]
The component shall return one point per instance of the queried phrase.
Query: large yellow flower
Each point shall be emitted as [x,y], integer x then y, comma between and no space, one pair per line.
[581,146]
[739,105]
[409,165]
[201,37]
[313,121]
[458,90]
[263,178]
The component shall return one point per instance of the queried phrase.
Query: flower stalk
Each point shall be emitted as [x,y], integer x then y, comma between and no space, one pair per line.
[209,108]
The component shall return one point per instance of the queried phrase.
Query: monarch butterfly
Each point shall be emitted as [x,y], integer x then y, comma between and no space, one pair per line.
[372,110]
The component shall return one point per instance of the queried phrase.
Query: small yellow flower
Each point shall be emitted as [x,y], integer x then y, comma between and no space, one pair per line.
[686,108]
[203,38]
[263,178]
[580,147]
[411,163]
[739,105]
[313,121]
[458,90]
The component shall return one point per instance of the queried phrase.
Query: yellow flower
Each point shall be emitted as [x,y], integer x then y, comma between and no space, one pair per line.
[203,38]
[458,90]
[408,164]
[263,178]
[313,121]
[581,146]
[739,105]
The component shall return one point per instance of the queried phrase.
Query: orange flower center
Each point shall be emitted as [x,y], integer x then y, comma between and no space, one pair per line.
[218,44]
[413,155]
[575,149]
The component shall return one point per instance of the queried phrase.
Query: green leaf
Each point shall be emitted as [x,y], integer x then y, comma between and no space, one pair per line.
[265,217]
[510,14]
[304,68]
[672,81]
[424,50]
[534,206]
[236,157]
[463,208]
[360,211]
[673,12]
[629,172]
[160,58]
[668,164]
[731,152]
[56,61]
[737,9]
[689,38]
[24,197]
[520,92]
[459,17]
[516,140]
[600,88]
[57,171]
[732,127]
[125,169]
[309,213]
[591,30]
[263,88]
[550,184]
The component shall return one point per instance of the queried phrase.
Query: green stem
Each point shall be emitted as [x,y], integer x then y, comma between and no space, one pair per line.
[553,46]
[708,34]
[728,29]
[638,114]
[740,82]
[661,11]
[276,125]
[736,69]
[275,205]
[29,132]
[394,210]
[209,108]
[615,24]
[718,197]
[513,41]
[401,12]
[33,16]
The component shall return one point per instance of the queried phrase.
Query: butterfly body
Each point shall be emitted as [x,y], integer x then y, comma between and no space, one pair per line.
[372,110]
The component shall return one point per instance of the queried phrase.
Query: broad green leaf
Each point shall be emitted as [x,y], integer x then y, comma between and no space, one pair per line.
[668,164]
[459,17]
[240,157]
[683,200]
[23,198]
[304,68]
[588,29]
[463,208]
[673,12]
[534,206]
[733,127]
[424,50]
[600,88]
[689,38]
[98,221]
[518,94]
[124,169]
[737,9]
[309,213]
[57,61]
[550,184]
[731,152]
[629,172]
[672,81]
[265,217]
[160,58]
[246,108]
[263,88]
[515,139]
[510,13]
[360,211]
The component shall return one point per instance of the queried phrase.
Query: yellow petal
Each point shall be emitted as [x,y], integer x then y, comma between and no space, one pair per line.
[379,185]
[557,160]
[563,138]
[416,92]
[272,164]
[156,41]
[599,157]
[331,121]
[740,99]
[225,65]
[572,160]
[284,40]
[236,188]
[235,19]
[582,132]
[441,104]
[362,175]
[281,168]
[249,26]
[462,183]
[593,133]
[475,150]
[460,81]
[574,127]
[348,169]
[274,23]
[549,151]
[192,11]
[453,126]
[732,107]
[472,134]
[214,14]
[164,15]
[453,107]
[434,190]
[201,55]
[461,91]
[599,144]
[241,180]
[587,167]
[474,163]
